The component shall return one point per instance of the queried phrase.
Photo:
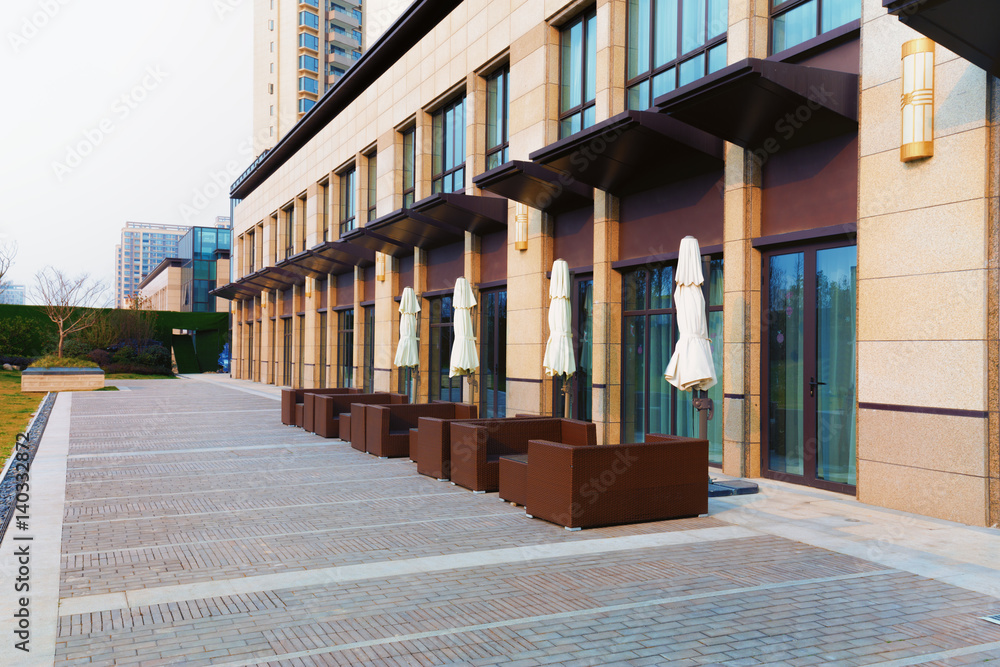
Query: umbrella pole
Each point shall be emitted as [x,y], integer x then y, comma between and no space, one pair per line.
[705,407]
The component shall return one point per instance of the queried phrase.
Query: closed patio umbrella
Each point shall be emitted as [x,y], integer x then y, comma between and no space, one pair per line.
[559,358]
[464,356]
[407,351]
[691,367]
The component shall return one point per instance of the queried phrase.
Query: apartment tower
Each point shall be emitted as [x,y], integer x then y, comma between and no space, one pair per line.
[300,50]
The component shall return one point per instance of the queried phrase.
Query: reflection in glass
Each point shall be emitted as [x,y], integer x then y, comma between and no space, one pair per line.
[785,330]
[794,27]
[836,298]
[633,380]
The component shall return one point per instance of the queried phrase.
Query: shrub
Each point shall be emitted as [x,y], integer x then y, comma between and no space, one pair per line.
[100,357]
[123,355]
[154,356]
[20,362]
[52,361]
[76,348]
[22,337]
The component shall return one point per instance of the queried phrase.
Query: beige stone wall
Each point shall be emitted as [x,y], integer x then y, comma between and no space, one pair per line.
[924,345]
[164,291]
[39,383]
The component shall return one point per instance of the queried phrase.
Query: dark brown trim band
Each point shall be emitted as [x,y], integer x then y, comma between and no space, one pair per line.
[660,259]
[492,284]
[922,410]
[436,293]
[845,231]
[527,380]
[738,397]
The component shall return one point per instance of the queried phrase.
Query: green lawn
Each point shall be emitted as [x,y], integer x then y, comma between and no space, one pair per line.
[15,410]
[136,376]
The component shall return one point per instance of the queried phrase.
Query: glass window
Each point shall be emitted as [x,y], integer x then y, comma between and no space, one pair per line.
[321,342]
[308,19]
[796,21]
[578,74]
[324,215]
[409,167]
[497,114]
[309,63]
[372,182]
[309,41]
[345,348]
[306,105]
[348,201]
[308,84]
[449,148]
[673,43]
[368,375]
[649,403]
[289,214]
[442,387]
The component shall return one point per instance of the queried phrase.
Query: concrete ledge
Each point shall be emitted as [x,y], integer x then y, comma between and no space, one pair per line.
[61,379]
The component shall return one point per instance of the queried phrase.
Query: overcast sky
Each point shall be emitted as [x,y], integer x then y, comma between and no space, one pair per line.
[118,110]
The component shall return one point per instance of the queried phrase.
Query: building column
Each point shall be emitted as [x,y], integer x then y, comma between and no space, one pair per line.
[471,389]
[359,328]
[310,305]
[612,57]
[267,335]
[423,377]
[387,327]
[313,213]
[607,349]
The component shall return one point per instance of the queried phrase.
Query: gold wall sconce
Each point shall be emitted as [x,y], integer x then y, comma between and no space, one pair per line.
[379,267]
[917,102]
[521,226]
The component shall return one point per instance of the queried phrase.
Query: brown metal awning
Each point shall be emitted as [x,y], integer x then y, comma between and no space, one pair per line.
[762,103]
[537,186]
[632,151]
[331,257]
[374,239]
[471,213]
[272,277]
[967,27]
[234,291]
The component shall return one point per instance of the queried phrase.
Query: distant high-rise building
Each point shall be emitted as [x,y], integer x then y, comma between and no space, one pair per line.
[182,283]
[300,50]
[12,295]
[143,246]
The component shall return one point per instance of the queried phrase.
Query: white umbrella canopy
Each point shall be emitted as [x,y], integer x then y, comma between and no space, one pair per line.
[464,356]
[691,365]
[559,358]
[407,351]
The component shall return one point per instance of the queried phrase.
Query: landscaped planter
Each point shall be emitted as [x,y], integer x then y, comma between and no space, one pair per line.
[61,379]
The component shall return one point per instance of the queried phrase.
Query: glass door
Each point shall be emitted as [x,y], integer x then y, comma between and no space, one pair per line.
[809,366]
[581,386]
[493,357]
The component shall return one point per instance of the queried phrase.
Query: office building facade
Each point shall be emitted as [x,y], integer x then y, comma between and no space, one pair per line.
[143,246]
[183,283]
[12,295]
[838,167]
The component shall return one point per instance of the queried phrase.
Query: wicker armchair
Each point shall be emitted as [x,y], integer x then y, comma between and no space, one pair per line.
[327,418]
[387,430]
[585,487]
[293,403]
[476,447]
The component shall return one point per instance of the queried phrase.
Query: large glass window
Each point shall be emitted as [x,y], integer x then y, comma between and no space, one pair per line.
[442,387]
[497,114]
[286,352]
[493,359]
[449,148]
[251,251]
[345,348]
[578,74]
[672,43]
[649,403]
[306,105]
[348,201]
[372,181]
[301,370]
[409,167]
[324,216]
[309,41]
[309,63]
[309,19]
[368,376]
[289,215]
[795,21]
[321,370]
[308,84]
[578,392]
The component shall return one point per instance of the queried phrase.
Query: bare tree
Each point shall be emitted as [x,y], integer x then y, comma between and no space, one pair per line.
[8,251]
[69,302]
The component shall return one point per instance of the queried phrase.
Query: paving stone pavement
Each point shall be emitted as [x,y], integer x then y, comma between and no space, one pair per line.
[197,529]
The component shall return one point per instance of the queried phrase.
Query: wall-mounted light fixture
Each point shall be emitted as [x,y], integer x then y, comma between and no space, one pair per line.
[379,267]
[918,100]
[521,226]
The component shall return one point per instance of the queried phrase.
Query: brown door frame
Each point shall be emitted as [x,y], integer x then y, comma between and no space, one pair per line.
[809,366]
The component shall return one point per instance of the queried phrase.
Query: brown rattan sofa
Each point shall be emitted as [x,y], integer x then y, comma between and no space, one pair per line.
[330,409]
[433,446]
[389,428]
[585,487]
[476,447]
[293,403]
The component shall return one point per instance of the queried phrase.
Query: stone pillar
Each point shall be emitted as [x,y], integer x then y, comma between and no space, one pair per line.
[607,349]
[612,57]
[387,327]
[310,305]
[927,318]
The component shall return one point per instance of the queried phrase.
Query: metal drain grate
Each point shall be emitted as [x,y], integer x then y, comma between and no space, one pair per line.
[995,618]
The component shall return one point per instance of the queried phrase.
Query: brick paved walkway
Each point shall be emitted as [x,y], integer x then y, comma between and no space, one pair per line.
[196,529]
